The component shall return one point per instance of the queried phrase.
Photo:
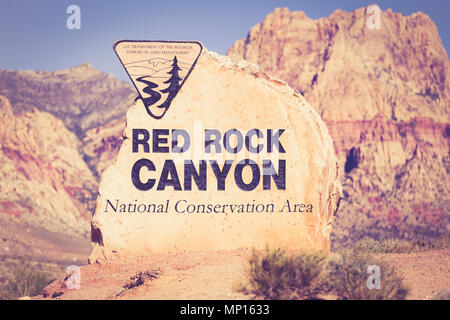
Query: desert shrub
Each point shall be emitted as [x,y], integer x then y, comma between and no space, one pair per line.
[275,275]
[25,282]
[401,246]
[347,277]
[442,295]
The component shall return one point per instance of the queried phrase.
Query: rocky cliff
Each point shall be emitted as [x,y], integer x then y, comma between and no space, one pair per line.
[48,176]
[83,97]
[43,179]
[100,145]
[384,94]
[88,101]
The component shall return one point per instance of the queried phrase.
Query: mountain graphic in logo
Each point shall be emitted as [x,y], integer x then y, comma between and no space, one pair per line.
[158,69]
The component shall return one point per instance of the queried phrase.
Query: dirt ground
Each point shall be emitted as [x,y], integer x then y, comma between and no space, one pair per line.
[217,274]
[425,273]
[25,246]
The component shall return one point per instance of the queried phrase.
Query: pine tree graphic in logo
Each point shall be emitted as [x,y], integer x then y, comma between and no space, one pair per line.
[158,75]
[174,84]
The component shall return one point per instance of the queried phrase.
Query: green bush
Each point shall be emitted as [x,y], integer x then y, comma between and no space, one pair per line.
[347,277]
[26,282]
[275,275]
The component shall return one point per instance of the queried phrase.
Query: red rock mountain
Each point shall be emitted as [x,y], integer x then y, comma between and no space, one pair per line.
[44,180]
[48,183]
[384,94]
[84,98]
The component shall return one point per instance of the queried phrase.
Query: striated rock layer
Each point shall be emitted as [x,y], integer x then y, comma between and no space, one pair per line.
[43,179]
[384,95]
[88,101]
[222,94]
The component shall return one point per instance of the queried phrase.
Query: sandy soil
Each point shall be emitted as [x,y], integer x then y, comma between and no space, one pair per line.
[23,245]
[183,275]
[425,273]
[216,274]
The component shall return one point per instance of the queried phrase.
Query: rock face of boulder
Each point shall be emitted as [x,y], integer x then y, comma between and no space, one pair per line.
[223,94]
[384,95]
[43,178]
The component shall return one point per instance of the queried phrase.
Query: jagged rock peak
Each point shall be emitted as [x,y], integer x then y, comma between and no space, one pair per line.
[401,64]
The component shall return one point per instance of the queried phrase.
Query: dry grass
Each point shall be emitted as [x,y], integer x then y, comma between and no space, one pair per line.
[347,275]
[274,275]
[25,282]
[401,246]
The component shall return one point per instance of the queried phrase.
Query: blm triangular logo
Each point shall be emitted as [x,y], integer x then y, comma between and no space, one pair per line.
[158,69]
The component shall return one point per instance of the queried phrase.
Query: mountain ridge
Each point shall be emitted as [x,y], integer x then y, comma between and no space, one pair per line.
[81,96]
[384,95]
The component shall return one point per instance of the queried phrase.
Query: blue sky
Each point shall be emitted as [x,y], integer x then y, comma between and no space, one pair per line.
[34,35]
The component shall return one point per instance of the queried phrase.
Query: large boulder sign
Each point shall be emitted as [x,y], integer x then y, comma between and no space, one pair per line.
[216,155]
